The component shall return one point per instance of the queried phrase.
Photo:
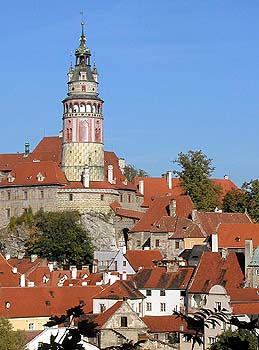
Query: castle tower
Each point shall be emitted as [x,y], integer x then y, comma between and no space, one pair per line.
[82,120]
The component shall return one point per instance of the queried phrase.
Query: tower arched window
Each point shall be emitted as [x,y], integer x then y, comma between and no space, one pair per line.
[70,108]
[98,109]
[76,108]
[82,108]
[88,108]
[94,108]
[83,88]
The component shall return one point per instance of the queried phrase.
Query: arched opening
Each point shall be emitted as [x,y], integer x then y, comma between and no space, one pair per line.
[88,108]
[76,108]
[94,109]
[82,108]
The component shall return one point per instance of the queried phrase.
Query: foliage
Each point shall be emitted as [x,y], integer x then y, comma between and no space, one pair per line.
[174,338]
[60,237]
[195,171]
[131,172]
[246,199]
[239,339]
[10,339]
[130,345]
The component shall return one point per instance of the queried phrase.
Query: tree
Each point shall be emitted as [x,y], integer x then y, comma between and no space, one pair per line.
[60,237]
[246,199]
[233,340]
[130,171]
[10,339]
[195,171]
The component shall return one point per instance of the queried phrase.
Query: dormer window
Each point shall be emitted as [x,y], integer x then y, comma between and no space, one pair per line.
[10,178]
[40,177]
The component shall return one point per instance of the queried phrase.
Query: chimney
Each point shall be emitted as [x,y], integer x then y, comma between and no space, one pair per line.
[34,257]
[22,280]
[169,179]
[86,177]
[248,252]
[122,164]
[124,250]
[51,266]
[141,186]
[26,149]
[124,275]
[214,243]
[224,253]
[110,173]
[73,272]
[14,270]
[226,177]
[7,256]
[172,207]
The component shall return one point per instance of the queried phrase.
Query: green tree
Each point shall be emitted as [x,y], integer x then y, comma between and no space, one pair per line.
[59,236]
[131,172]
[195,171]
[246,199]
[10,339]
[233,340]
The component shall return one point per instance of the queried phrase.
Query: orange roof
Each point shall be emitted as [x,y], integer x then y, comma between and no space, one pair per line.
[234,235]
[48,149]
[179,227]
[226,186]
[127,213]
[26,174]
[102,318]
[161,324]
[44,301]
[213,269]
[244,301]
[159,278]
[160,208]
[8,161]
[26,265]
[210,221]
[120,290]
[8,278]
[142,258]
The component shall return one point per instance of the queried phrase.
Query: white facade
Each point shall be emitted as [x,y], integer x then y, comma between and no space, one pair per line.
[101,305]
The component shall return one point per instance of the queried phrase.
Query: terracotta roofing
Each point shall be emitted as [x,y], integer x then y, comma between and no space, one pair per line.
[102,318]
[8,161]
[27,265]
[35,174]
[214,269]
[159,278]
[48,149]
[143,258]
[156,187]
[44,301]
[178,227]
[245,301]
[159,208]
[8,276]
[127,213]
[209,221]
[162,324]
[234,235]
[120,290]
[94,278]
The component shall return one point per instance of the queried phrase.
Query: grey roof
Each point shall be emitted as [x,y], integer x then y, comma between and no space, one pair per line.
[83,68]
[82,96]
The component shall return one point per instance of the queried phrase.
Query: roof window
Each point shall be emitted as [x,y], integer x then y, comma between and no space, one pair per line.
[40,177]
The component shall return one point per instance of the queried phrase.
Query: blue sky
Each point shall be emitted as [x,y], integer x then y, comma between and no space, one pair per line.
[175,76]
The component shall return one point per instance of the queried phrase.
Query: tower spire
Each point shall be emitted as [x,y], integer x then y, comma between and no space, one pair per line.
[82,38]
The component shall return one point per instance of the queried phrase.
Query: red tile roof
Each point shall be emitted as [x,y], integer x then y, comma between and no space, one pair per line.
[164,324]
[160,208]
[226,186]
[127,213]
[25,174]
[244,301]
[48,149]
[159,278]
[209,222]
[7,276]
[120,290]
[8,161]
[143,258]
[44,301]
[102,318]
[234,235]
[26,265]
[213,269]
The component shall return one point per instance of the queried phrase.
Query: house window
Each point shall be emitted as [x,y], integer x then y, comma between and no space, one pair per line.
[162,292]
[155,335]
[257,271]
[25,195]
[8,213]
[8,195]
[157,243]
[124,263]
[138,243]
[102,197]
[124,321]
[218,305]
[70,196]
[149,306]
[212,340]
[31,327]
[41,194]
[121,198]
[102,308]
[177,244]
[148,292]
[162,307]
[83,88]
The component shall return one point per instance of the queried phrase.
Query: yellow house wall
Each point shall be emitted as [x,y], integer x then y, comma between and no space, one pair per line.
[190,242]
[23,323]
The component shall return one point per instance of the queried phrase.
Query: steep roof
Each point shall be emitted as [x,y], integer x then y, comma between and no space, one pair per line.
[209,221]
[8,278]
[244,301]
[127,213]
[7,161]
[120,290]
[48,149]
[44,301]
[35,174]
[234,235]
[160,208]
[102,318]
[226,186]
[142,258]
[162,324]
[159,278]
[214,269]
